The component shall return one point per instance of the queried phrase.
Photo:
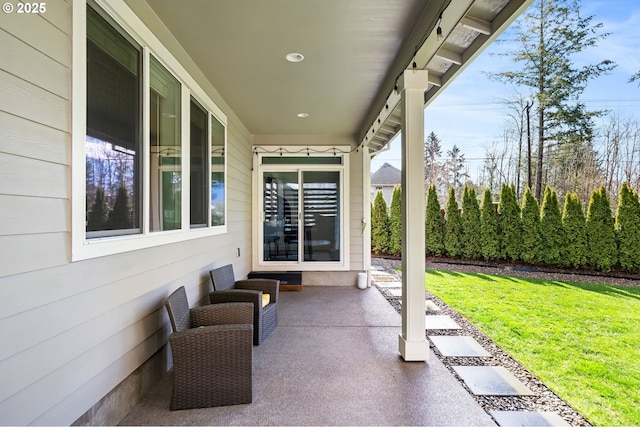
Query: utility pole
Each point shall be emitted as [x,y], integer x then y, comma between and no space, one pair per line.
[528,110]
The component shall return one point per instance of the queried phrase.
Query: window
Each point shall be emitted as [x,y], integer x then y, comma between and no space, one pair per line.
[165,154]
[217,173]
[113,141]
[198,143]
[136,113]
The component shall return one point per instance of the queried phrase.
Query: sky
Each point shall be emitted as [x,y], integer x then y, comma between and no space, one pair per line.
[469,114]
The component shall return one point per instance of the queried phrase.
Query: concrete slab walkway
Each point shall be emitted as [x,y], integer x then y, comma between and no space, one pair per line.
[332,360]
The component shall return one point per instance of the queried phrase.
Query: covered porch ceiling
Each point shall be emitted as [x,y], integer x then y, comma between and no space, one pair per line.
[354,50]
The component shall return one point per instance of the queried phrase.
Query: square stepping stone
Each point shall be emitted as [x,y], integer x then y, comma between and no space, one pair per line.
[441,321]
[525,418]
[383,278]
[396,292]
[491,381]
[458,346]
[388,284]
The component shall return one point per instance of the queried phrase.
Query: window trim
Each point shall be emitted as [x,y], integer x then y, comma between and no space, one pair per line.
[81,247]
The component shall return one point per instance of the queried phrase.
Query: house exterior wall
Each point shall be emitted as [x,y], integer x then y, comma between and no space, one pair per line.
[72,331]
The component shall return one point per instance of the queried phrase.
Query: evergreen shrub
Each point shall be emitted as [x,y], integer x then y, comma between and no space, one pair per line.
[470,216]
[380,229]
[489,231]
[627,228]
[510,224]
[395,222]
[531,240]
[551,229]
[576,249]
[600,232]
[434,225]
[452,227]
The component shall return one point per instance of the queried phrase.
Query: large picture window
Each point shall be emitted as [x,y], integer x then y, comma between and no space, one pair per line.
[139,118]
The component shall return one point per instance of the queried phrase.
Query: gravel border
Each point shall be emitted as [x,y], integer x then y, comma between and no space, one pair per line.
[544,400]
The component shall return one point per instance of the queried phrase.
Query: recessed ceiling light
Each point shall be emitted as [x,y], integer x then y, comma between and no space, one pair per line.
[294,57]
[302,115]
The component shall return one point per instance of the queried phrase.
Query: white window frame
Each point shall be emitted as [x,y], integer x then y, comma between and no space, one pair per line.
[345,208]
[81,247]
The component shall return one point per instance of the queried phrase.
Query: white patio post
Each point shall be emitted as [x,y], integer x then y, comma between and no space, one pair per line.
[413,343]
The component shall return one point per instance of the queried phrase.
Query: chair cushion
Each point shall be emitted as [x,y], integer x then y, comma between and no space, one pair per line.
[266,299]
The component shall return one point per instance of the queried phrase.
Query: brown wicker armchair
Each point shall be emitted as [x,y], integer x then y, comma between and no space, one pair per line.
[227,289]
[212,353]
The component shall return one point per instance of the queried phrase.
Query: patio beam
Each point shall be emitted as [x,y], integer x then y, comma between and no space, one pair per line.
[413,344]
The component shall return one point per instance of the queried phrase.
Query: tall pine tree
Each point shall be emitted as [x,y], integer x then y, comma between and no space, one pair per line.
[550,34]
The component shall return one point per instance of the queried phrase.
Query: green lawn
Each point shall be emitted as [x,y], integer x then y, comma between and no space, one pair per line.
[581,340]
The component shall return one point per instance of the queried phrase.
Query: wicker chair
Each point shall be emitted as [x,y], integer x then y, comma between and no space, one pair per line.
[227,289]
[212,353]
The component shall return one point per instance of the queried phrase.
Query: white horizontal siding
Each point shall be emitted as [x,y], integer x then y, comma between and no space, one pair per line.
[24,99]
[27,213]
[70,332]
[21,60]
[26,138]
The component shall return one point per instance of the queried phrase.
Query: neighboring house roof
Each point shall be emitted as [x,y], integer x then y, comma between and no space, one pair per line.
[387,175]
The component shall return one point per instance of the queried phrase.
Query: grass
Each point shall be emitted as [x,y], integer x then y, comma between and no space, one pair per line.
[581,340]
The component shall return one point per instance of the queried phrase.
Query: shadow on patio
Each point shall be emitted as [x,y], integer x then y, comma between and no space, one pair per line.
[332,360]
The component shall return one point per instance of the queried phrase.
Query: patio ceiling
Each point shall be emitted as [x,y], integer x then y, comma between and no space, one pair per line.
[353,51]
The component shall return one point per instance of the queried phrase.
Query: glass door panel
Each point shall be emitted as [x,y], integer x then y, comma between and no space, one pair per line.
[280,232]
[321,196]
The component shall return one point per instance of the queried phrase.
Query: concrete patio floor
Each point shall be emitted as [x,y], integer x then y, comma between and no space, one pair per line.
[332,360]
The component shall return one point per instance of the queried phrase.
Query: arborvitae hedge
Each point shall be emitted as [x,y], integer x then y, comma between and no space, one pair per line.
[531,240]
[627,228]
[471,248]
[434,225]
[452,227]
[510,224]
[600,232]
[380,231]
[576,249]
[551,230]
[569,239]
[489,230]
[395,243]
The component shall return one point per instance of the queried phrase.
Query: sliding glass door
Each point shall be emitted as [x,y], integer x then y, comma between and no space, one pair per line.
[301,216]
